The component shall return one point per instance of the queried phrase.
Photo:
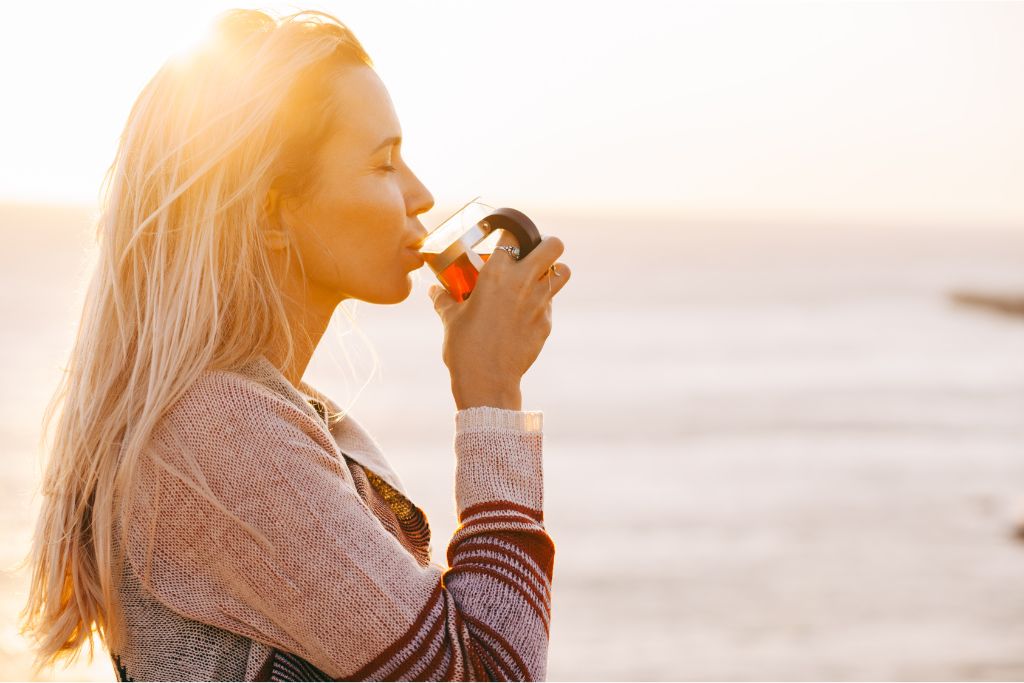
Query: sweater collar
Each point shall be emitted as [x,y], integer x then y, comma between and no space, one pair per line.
[352,439]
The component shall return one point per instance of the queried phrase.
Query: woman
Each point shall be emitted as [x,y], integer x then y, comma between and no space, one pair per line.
[208,513]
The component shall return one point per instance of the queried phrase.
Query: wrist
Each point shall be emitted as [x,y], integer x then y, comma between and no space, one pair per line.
[508,398]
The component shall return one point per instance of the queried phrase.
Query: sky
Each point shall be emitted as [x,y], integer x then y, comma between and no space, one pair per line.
[860,112]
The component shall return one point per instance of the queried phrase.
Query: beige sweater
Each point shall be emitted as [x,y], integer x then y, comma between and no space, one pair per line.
[343,587]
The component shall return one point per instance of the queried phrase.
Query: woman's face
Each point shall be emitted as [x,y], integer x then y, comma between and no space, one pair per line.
[357,232]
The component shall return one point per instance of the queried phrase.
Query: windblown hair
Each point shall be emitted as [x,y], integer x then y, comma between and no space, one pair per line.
[183,283]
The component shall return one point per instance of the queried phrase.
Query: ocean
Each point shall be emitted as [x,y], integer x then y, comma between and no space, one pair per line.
[771,451]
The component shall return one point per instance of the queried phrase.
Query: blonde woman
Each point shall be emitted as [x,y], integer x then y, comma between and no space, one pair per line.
[206,512]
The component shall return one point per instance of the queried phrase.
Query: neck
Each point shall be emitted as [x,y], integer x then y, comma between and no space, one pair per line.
[307,317]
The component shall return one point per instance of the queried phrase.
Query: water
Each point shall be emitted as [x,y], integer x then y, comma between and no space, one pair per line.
[771,453]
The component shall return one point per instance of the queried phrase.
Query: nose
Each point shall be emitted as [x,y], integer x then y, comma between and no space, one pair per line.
[420,199]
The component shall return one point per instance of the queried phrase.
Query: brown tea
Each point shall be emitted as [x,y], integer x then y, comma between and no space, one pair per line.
[459,277]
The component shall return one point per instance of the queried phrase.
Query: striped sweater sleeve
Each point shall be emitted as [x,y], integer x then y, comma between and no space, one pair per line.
[501,555]
[245,518]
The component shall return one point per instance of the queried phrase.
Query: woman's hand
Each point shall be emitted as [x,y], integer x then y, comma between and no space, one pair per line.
[492,338]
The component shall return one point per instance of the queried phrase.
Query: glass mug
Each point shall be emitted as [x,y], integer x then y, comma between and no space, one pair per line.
[457,248]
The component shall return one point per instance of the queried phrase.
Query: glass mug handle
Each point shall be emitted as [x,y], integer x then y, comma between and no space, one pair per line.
[517,223]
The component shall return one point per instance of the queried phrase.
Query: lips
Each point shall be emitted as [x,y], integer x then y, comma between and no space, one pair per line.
[418,242]
[418,256]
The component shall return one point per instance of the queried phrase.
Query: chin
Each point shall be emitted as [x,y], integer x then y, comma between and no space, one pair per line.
[395,294]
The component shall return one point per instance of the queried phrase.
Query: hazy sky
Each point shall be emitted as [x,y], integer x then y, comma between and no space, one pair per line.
[875,112]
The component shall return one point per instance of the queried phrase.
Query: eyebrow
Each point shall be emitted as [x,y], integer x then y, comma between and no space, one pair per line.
[394,140]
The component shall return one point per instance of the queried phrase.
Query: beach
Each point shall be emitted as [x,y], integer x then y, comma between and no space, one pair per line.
[771,452]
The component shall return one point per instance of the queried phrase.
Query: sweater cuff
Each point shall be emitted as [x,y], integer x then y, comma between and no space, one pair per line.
[480,418]
[499,461]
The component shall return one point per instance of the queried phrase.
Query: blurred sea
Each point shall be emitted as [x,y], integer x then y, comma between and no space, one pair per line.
[771,452]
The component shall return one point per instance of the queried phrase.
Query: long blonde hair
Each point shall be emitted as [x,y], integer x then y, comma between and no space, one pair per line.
[183,283]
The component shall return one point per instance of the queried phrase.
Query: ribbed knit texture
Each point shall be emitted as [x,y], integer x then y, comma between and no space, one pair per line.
[344,588]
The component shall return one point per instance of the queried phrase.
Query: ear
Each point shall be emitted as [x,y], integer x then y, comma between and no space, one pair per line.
[272,201]
[276,235]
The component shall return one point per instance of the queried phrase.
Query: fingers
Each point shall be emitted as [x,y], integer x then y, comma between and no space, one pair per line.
[442,299]
[543,256]
[538,260]
[553,280]
[505,239]
[540,266]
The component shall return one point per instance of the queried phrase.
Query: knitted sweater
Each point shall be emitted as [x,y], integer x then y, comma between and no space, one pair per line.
[312,564]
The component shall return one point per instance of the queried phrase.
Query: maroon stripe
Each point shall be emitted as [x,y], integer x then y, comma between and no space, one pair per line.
[436,660]
[502,505]
[516,571]
[538,605]
[487,630]
[538,546]
[449,671]
[494,670]
[494,518]
[474,569]
[422,650]
[535,543]
[455,651]
[476,544]
[476,666]
[400,644]
[499,665]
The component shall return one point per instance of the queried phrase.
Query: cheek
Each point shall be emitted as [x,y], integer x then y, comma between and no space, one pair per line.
[358,233]
[369,199]
[374,211]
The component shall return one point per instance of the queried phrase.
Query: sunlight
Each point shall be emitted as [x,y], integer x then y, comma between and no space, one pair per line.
[194,37]
[775,109]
